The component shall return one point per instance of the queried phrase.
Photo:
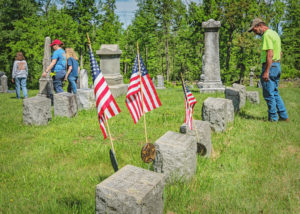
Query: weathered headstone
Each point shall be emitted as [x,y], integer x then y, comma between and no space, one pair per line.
[65,104]
[202,133]
[212,79]
[83,79]
[234,95]
[251,75]
[37,110]
[217,111]
[86,98]
[160,82]
[110,67]
[46,83]
[3,85]
[176,156]
[253,97]
[242,90]
[153,80]
[131,190]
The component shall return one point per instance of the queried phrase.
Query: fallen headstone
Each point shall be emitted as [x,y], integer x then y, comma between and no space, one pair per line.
[65,104]
[176,156]
[131,190]
[253,97]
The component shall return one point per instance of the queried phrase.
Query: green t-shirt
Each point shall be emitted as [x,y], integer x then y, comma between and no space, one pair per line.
[270,40]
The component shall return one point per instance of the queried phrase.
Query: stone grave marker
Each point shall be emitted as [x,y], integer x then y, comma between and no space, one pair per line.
[86,98]
[242,91]
[3,85]
[253,97]
[83,78]
[160,82]
[65,104]
[176,156]
[131,190]
[110,67]
[251,75]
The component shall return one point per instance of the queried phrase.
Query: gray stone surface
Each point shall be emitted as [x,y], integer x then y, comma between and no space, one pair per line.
[212,79]
[65,104]
[202,133]
[46,83]
[242,90]
[83,79]
[234,95]
[251,75]
[253,97]
[176,156]
[259,84]
[110,67]
[230,109]
[131,190]
[37,110]
[86,98]
[3,86]
[215,111]
[160,82]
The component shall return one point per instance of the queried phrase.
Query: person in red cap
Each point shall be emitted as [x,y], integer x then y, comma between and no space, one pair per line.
[57,66]
[271,69]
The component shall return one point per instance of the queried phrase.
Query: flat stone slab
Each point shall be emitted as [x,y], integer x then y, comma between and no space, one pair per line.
[217,111]
[131,190]
[176,156]
[253,97]
[37,111]
[242,90]
[86,98]
[65,104]
[202,133]
[118,90]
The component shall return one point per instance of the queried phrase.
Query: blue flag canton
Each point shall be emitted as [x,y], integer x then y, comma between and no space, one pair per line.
[136,66]
[94,66]
[187,89]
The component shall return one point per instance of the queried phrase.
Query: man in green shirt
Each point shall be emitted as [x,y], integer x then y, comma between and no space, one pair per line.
[271,69]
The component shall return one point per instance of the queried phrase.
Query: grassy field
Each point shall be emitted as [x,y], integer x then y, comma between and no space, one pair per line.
[55,168]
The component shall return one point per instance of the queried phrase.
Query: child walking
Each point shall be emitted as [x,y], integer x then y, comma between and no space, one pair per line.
[73,70]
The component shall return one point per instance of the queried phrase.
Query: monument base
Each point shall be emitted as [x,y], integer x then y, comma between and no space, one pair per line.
[211,87]
[118,90]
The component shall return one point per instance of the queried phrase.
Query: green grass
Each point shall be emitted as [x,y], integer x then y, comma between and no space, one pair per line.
[55,168]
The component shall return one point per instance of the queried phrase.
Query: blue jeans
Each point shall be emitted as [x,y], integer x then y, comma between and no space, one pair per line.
[21,82]
[57,81]
[72,84]
[271,93]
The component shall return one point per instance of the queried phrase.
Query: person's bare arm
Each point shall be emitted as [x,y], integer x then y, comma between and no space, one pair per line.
[53,62]
[69,71]
[265,75]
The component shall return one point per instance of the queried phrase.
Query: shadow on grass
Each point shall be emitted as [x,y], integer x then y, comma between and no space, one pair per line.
[251,117]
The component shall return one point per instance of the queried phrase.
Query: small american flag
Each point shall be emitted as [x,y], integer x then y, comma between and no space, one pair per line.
[190,102]
[105,102]
[134,97]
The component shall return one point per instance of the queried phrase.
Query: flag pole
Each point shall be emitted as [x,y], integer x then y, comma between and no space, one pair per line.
[106,121]
[197,136]
[141,83]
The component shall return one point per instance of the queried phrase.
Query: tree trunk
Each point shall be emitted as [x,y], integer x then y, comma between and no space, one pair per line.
[229,48]
[167,59]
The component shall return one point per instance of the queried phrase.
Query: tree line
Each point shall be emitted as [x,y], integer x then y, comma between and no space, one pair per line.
[169,34]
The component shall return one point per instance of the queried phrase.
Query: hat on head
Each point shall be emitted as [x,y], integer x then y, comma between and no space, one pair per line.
[56,42]
[255,22]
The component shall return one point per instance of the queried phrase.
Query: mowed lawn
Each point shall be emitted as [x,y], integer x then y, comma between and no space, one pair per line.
[55,168]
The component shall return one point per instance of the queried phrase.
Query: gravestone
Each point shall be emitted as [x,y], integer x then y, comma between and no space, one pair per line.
[83,78]
[3,85]
[212,79]
[259,84]
[253,97]
[234,95]
[65,104]
[37,110]
[46,83]
[217,111]
[85,98]
[110,67]
[153,80]
[251,75]
[160,82]
[131,190]
[202,133]
[242,91]
[176,157]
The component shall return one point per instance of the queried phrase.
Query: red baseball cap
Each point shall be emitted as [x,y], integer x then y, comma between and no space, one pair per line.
[56,42]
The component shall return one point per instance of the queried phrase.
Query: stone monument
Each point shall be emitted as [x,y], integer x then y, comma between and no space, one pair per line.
[110,67]
[212,79]
[83,79]
[3,84]
[46,83]
[251,75]
[160,82]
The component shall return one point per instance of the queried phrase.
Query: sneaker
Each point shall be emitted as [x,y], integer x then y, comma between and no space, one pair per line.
[285,120]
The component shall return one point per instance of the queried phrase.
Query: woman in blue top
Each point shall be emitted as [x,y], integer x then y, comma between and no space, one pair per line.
[73,70]
[58,65]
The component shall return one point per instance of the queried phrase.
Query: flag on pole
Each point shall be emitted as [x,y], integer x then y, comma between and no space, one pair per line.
[105,102]
[190,102]
[134,97]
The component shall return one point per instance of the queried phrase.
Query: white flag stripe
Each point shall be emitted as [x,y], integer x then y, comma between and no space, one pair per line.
[152,94]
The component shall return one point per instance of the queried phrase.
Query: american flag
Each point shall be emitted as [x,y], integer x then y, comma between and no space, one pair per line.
[190,102]
[105,102]
[134,97]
